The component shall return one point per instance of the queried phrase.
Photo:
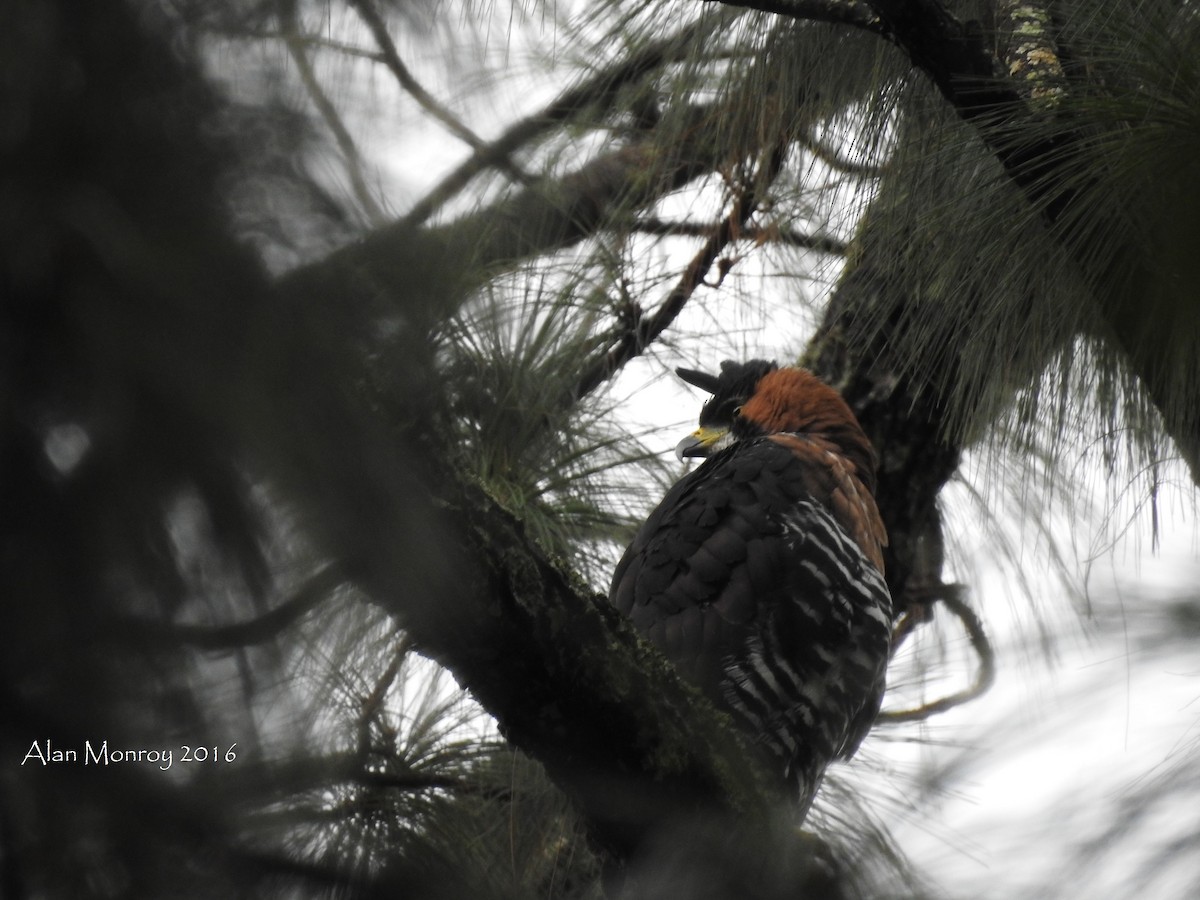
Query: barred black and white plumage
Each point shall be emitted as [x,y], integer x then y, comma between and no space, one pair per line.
[760,575]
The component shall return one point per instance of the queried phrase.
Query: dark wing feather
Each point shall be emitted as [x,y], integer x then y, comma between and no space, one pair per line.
[747,580]
[709,550]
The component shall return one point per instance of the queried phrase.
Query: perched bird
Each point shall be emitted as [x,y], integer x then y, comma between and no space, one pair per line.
[760,575]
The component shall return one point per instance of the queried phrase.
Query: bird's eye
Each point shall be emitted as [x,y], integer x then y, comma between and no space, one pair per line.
[737,411]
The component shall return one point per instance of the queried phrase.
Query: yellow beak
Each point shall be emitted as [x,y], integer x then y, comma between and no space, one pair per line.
[700,442]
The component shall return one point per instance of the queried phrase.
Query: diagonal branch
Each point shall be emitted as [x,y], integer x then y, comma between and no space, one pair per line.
[970,78]
[298,51]
[836,12]
[600,90]
[304,39]
[451,260]
[643,331]
[250,632]
[831,158]
[391,58]
[822,243]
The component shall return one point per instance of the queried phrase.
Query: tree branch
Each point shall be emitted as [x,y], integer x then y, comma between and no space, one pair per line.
[1031,52]
[600,89]
[573,685]
[820,243]
[836,12]
[249,633]
[645,330]
[984,677]
[971,80]
[831,158]
[968,77]
[295,44]
[552,213]
[391,58]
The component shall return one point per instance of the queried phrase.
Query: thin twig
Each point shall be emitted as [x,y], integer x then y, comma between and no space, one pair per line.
[836,161]
[297,49]
[768,235]
[308,40]
[373,702]
[984,677]
[643,331]
[391,58]
[598,89]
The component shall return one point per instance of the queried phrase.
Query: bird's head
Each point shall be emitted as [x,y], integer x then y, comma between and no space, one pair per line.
[758,398]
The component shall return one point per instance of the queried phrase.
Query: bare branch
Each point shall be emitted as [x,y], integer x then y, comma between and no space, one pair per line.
[252,631]
[645,330]
[837,12]
[984,676]
[305,39]
[297,49]
[599,89]
[763,235]
[373,702]
[391,58]
[547,215]
[835,161]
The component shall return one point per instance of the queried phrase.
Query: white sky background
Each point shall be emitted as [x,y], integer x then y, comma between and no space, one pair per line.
[1050,756]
